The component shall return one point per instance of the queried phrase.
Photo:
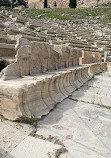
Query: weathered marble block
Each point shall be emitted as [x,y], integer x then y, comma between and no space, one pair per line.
[41,77]
[36,95]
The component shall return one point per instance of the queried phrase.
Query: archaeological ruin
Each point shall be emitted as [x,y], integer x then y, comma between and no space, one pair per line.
[55,80]
[64,3]
[43,61]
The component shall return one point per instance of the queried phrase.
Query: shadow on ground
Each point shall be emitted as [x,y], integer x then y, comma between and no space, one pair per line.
[3,154]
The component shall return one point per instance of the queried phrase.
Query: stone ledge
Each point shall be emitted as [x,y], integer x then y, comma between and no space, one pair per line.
[37,95]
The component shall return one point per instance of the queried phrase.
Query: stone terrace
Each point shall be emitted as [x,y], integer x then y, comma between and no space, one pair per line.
[43,62]
[90,36]
[48,53]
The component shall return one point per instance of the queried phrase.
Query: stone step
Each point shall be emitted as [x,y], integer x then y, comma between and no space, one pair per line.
[8,59]
[7,40]
[31,38]
[51,88]
[16,32]
[78,42]
[83,46]
[19,19]
[7,50]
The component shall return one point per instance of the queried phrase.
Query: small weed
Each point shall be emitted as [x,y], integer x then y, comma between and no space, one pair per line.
[33,121]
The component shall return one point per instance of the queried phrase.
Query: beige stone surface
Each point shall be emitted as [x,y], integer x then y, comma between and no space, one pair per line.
[37,95]
[40,57]
[45,72]
[64,57]
[95,92]
[81,128]
[11,135]
[36,148]
[7,50]
[64,3]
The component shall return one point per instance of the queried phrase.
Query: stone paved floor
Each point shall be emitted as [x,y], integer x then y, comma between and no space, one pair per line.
[11,134]
[79,127]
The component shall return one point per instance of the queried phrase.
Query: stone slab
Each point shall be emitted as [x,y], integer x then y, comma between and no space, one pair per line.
[82,127]
[35,148]
[11,134]
[96,91]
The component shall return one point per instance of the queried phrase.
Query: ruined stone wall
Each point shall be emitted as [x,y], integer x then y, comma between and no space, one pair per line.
[36,3]
[59,3]
[89,3]
[64,3]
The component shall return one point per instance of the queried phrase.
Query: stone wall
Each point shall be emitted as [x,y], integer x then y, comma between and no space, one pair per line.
[89,3]
[64,3]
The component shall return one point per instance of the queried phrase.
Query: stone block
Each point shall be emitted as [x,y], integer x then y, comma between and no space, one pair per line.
[41,77]
[37,95]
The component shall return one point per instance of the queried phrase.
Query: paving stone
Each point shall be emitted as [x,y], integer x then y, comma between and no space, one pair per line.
[35,148]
